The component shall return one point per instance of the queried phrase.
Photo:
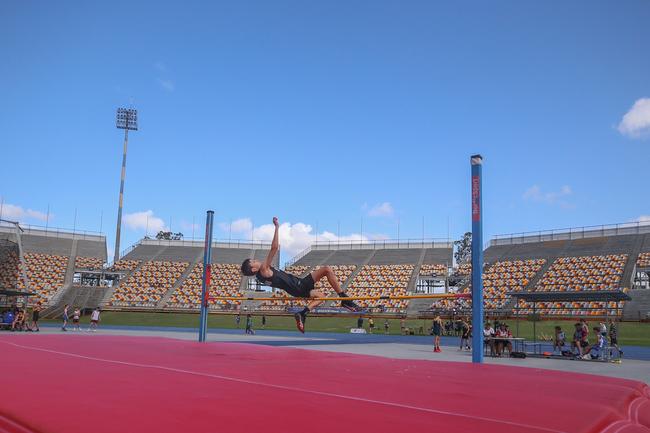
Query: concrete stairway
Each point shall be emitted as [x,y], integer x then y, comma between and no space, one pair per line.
[179,282]
[538,276]
[417,305]
[67,281]
[416,273]
[630,266]
[252,305]
[109,293]
[639,307]
[356,272]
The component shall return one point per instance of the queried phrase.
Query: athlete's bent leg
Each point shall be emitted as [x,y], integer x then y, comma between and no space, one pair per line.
[328,273]
[315,294]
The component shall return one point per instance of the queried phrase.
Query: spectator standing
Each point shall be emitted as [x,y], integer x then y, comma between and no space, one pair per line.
[386,326]
[360,322]
[65,317]
[559,340]
[488,337]
[36,314]
[402,324]
[263,321]
[249,325]
[585,329]
[437,331]
[237,319]
[76,314]
[577,338]
[94,320]
[371,324]
[464,334]
[602,329]
[613,337]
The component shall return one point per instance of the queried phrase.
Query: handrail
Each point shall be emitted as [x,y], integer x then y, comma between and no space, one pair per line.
[630,228]
[196,242]
[366,244]
[57,232]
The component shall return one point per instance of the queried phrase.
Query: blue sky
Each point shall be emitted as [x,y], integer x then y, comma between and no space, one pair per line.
[326,114]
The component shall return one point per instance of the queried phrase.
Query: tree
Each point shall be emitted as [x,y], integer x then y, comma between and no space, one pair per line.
[169,236]
[463,248]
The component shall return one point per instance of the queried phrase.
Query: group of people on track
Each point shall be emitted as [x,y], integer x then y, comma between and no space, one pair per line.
[76,318]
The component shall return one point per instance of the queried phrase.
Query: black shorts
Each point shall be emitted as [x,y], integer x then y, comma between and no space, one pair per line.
[302,287]
[613,341]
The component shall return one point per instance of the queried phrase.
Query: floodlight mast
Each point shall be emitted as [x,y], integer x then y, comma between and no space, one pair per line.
[127,119]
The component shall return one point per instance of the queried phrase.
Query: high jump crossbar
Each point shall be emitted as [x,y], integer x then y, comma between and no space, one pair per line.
[348,298]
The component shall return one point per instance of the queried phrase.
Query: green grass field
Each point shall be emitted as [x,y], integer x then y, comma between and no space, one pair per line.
[630,333]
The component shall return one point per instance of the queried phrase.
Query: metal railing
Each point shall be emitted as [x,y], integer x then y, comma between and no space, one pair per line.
[372,245]
[197,242]
[57,232]
[572,233]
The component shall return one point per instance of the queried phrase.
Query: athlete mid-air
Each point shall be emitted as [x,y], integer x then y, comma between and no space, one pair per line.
[294,286]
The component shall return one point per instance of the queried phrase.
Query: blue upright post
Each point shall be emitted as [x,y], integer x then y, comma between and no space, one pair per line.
[205,285]
[477,260]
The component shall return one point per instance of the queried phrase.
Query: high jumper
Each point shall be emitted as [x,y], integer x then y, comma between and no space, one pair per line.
[294,286]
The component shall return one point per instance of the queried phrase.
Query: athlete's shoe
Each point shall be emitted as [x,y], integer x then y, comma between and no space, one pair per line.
[300,321]
[350,305]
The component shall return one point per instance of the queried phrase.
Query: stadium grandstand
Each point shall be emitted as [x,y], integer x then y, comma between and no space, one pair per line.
[65,267]
[166,274]
[44,260]
[379,268]
[596,259]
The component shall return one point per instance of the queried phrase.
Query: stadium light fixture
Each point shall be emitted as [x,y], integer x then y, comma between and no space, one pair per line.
[126,119]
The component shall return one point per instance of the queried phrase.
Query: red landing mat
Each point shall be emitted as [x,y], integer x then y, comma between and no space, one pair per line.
[91,383]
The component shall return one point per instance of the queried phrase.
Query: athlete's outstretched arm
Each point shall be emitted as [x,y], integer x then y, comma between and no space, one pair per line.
[275,245]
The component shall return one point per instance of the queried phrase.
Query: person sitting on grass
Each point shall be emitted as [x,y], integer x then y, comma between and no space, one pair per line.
[267,275]
[597,350]
[559,340]
[19,321]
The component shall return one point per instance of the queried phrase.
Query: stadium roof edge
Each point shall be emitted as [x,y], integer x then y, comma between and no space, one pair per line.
[632,228]
[373,245]
[55,232]
[200,243]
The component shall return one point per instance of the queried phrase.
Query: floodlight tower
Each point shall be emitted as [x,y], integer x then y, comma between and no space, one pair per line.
[127,119]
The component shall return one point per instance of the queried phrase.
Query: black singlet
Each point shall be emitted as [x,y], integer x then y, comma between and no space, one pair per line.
[299,287]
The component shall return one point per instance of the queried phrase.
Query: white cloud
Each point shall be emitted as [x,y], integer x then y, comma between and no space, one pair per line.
[294,237]
[384,209]
[144,220]
[166,84]
[643,219]
[536,194]
[636,122]
[241,226]
[17,213]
